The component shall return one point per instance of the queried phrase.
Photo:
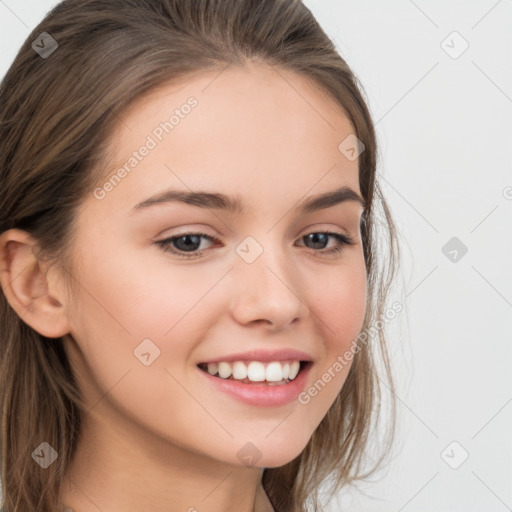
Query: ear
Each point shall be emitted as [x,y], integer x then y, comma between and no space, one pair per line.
[28,287]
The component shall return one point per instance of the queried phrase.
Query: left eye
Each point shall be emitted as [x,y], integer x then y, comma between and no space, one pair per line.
[186,245]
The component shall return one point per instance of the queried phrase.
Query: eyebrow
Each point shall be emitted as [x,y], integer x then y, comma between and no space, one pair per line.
[234,204]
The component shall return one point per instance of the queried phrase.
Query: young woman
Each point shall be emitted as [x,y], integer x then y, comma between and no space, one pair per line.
[192,295]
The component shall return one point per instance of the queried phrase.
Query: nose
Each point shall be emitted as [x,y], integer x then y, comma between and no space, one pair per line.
[267,292]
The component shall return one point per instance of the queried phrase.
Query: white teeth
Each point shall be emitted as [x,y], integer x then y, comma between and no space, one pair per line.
[239,370]
[294,369]
[224,370]
[256,371]
[212,368]
[273,373]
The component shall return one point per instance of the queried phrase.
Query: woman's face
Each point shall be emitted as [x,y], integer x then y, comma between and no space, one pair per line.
[257,286]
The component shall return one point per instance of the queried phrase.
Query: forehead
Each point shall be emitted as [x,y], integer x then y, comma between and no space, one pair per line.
[253,130]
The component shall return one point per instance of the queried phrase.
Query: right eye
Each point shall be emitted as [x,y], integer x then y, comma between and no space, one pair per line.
[185,245]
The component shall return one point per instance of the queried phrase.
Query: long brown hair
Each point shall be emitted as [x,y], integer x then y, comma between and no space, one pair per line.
[56,109]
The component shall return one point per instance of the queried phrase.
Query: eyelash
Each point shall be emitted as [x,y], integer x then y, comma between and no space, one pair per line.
[165,245]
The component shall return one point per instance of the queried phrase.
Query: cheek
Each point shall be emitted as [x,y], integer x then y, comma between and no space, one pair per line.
[127,315]
[339,307]
[129,296]
[137,326]
[339,302]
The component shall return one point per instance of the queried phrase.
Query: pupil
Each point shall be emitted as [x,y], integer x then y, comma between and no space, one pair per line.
[315,236]
[188,246]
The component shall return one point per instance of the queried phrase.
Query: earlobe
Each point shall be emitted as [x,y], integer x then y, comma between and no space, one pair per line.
[26,285]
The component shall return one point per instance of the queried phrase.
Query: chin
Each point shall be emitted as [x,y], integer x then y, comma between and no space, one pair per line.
[273,454]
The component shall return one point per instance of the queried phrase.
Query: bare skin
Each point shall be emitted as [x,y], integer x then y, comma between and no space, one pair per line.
[161,437]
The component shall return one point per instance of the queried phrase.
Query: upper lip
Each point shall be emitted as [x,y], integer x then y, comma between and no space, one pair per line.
[285,354]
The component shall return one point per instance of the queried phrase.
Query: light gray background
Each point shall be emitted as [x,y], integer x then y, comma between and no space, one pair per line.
[444,128]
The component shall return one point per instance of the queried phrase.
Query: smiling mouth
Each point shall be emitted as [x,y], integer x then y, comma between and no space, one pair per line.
[271,373]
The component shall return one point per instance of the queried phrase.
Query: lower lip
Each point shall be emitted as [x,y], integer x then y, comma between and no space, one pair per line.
[261,395]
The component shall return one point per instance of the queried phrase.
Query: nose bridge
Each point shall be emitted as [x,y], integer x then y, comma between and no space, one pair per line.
[267,287]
